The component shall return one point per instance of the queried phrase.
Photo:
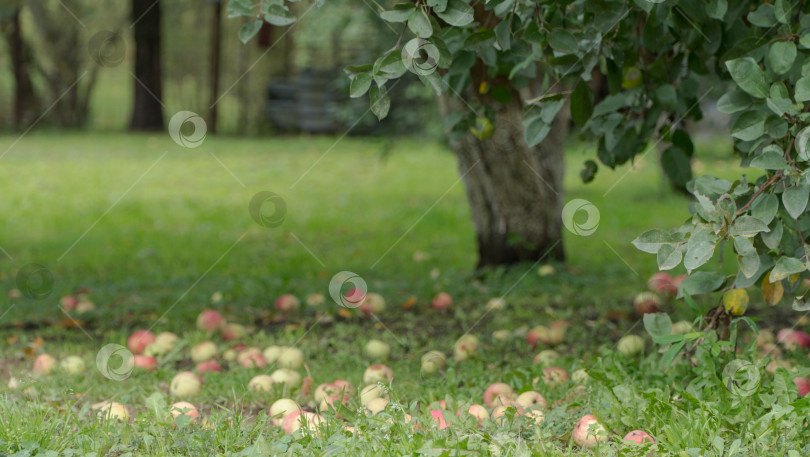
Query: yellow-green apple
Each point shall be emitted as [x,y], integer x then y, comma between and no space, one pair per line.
[498,394]
[261,383]
[206,350]
[496,304]
[546,357]
[646,303]
[315,300]
[630,345]
[377,405]
[499,414]
[111,410]
[378,373]
[477,411]
[433,361]
[531,398]
[370,392]
[163,344]
[138,341]
[553,376]
[377,350]
[683,327]
[44,364]
[281,408]
[286,376]
[290,357]
[185,384]
[580,376]
[638,437]
[465,347]
[589,432]
[546,270]
[72,365]
[442,300]
[232,332]
[84,306]
[287,303]
[210,320]
[501,335]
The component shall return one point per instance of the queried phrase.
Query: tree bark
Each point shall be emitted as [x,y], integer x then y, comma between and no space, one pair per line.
[147,111]
[25,101]
[514,191]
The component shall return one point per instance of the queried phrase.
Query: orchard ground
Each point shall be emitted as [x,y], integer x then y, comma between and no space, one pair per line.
[154,233]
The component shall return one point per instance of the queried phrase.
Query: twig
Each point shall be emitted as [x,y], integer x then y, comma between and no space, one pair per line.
[762,188]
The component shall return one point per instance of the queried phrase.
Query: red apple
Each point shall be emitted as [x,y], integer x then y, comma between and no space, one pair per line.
[497,394]
[44,364]
[69,303]
[646,303]
[438,417]
[209,365]
[638,437]
[663,283]
[792,338]
[210,320]
[138,341]
[145,362]
[372,303]
[232,332]
[182,408]
[442,300]
[537,335]
[287,303]
[588,432]
[553,376]
[803,384]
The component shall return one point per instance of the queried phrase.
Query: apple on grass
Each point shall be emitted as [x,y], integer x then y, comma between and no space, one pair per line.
[332,390]
[372,303]
[208,366]
[290,357]
[301,419]
[164,343]
[139,340]
[69,303]
[646,303]
[72,365]
[377,405]
[793,339]
[286,376]
[630,345]
[536,335]
[261,383]
[546,357]
[638,437]
[287,303]
[433,361]
[185,384]
[477,411]
[183,408]
[110,410]
[272,353]
[465,347]
[553,376]
[589,432]
[531,399]
[232,332]
[315,300]
[498,394]
[803,384]
[438,418]
[378,350]
[281,408]
[44,364]
[145,362]
[378,373]
[663,283]
[251,358]
[370,392]
[204,351]
[210,320]
[442,300]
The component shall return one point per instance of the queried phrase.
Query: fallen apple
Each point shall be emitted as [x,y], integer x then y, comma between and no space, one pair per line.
[287,303]
[372,303]
[377,373]
[204,351]
[536,335]
[496,304]
[337,388]
[283,407]
[792,339]
[290,357]
[72,365]
[208,366]
[145,362]
[304,419]
[315,300]
[530,399]
[69,303]
[232,332]
[646,303]
[183,408]
[682,328]
[377,405]
[138,341]
[553,376]
[370,392]
[438,418]
[433,361]
[638,437]
[803,384]
[185,384]
[377,350]
[252,360]
[580,376]
[663,283]
[288,377]
[501,335]
[546,357]
[442,300]
[164,343]
[272,353]
[546,270]
[589,432]
[477,411]
[465,347]
[498,394]
[630,345]
[535,415]
[289,419]
[261,383]
[84,306]
[556,333]
[110,410]
[500,414]
[44,364]
[210,320]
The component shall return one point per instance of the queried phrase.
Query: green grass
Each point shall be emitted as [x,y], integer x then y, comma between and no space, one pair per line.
[155,230]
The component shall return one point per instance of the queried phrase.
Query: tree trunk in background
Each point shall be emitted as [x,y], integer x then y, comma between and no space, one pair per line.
[515,191]
[147,110]
[25,101]
[216,40]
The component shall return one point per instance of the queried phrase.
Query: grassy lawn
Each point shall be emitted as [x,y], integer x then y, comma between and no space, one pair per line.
[156,233]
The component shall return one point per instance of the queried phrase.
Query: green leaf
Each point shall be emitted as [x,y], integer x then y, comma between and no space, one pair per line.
[400,13]
[669,257]
[535,130]
[279,15]
[771,158]
[698,254]
[794,199]
[676,165]
[238,8]
[380,102]
[610,103]
[652,240]
[360,85]
[419,24]
[747,226]
[763,16]
[701,282]
[785,267]
[749,263]
[765,207]
[672,352]
[437,5]
[733,101]
[563,41]
[750,125]
[772,238]
[668,339]
[250,30]
[781,56]
[588,171]
[581,103]
[657,324]
[717,9]
[748,76]
[782,10]
[779,100]
[457,14]
[801,92]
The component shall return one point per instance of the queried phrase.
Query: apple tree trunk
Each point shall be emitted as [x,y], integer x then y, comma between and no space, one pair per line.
[147,111]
